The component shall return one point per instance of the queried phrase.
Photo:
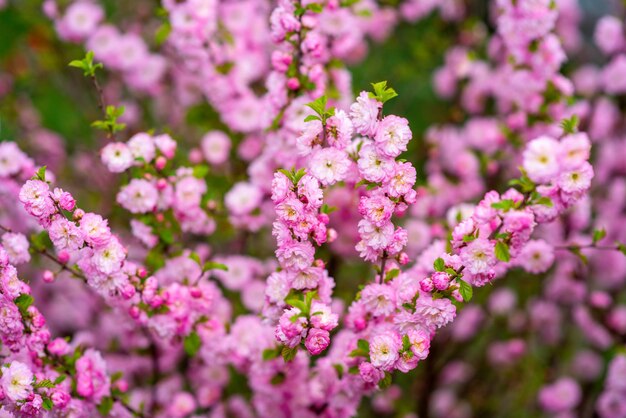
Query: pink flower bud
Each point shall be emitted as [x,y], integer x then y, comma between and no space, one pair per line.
[128,291]
[121,385]
[195,292]
[134,312]
[160,162]
[331,235]
[317,340]
[403,258]
[161,184]
[441,280]
[293,83]
[63,257]
[60,399]
[142,272]
[427,285]
[58,347]
[67,202]
[195,156]
[48,276]
[78,214]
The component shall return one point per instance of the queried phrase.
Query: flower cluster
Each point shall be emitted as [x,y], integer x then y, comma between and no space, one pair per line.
[300,292]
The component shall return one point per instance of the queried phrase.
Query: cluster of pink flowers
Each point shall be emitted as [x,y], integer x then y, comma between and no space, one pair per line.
[37,374]
[303,283]
[207,308]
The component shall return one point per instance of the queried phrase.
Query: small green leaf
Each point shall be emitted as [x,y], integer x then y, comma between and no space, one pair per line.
[502,252]
[296,303]
[212,265]
[319,106]
[271,353]
[201,171]
[60,379]
[392,274]
[570,125]
[328,209]
[466,290]
[545,201]
[192,344]
[385,382]
[308,298]
[105,406]
[162,33]
[47,404]
[503,205]
[40,174]
[363,345]
[621,247]
[406,343]
[289,353]
[311,117]
[315,7]
[598,235]
[339,369]
[439,264]
[23,302]
[195,257]
[46,383]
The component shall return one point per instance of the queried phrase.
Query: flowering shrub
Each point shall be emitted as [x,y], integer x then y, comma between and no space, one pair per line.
[203,215]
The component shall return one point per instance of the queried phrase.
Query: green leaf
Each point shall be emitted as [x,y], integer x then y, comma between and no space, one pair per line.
[328,209]
[545,201]
[40,174]
[570,125]
[298,175]
[46,383]
[502,252]
[503,205]
[466,290]
[201,171]
[105,406]
[406,343]
[166,235]
[47,404]
[311,117]
[23,302]
[363,345]
[469,238]
[315,7]
[60,379]
[271,353]
[392,274]
[192,344]
[308,298]
[598,235]
[289,353]
[439,264]
[385,382]
[382,93]
[296,303]
[162,33]
[621,247]
[212,265]
[319,106]
[195,257]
